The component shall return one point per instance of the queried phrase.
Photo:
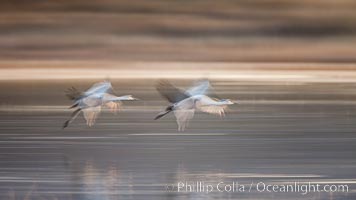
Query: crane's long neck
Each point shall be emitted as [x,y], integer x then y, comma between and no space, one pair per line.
[122,98]
[221,103]
[224,102]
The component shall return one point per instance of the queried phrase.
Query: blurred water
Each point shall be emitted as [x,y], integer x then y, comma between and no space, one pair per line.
[279,133]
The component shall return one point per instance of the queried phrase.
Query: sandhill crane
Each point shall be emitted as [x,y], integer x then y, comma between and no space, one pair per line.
[184,104]
[92,100]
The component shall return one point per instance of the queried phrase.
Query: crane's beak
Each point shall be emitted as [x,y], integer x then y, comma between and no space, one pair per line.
[235,101]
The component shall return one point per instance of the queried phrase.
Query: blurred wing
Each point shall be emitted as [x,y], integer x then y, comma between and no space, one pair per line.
[171,93]
[199,89]
[91,101]
[113,106]
[183,117]
[209,105]
[100,87]
[73,94]
[90,114]
[218,110]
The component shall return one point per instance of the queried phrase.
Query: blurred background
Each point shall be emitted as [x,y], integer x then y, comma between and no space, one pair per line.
[158,30]
[290,64]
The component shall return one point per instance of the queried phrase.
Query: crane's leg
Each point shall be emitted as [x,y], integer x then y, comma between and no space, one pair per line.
[179,125]
[73,116]
[161,114]
[183,126]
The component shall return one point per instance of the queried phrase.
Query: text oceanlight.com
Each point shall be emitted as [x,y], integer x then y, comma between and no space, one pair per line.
[236,187]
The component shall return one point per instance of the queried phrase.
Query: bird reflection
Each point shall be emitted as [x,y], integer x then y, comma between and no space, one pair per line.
[92,100]
[184,103]
[101,184]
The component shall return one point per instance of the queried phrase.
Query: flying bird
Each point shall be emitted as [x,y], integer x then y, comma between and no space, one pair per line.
[92,100]
[184,103]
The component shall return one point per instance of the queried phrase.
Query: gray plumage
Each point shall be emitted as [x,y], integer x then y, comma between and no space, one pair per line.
[91,101]
[184,103]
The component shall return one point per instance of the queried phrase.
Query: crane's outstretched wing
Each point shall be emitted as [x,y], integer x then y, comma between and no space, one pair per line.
[91,101]
[98,88]
[170,92]
[211,106]
[114,102]
[73,94]
[101,87]
[183,116]
[90,114]
[113,106]
[200,88]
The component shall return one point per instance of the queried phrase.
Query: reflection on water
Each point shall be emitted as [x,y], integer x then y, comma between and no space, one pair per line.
[100,185]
